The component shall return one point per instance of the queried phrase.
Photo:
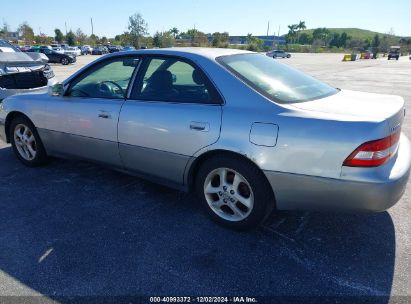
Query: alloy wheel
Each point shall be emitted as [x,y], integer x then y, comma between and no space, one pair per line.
[25,142]
[229,194]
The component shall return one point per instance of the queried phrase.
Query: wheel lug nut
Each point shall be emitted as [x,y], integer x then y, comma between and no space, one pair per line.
[225,188]
[232,192]
[220,193]
[225,201]
[233,200]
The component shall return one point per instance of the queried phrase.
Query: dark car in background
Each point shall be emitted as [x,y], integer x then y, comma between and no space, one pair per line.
[99,50]
[394,53]
[114,48]
[55,57]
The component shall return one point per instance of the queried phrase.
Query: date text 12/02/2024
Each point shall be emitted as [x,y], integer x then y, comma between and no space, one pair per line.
[203,300]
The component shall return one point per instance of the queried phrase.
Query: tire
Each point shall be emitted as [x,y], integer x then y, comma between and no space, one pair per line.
[223,201]
[275,57]
[288,56]
[65,61]
[28,149]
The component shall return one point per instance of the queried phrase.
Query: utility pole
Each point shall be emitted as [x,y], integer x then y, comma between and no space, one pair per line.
[65,24]
[92,27]
[268,28]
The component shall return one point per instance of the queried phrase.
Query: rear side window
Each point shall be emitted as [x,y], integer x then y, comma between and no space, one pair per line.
[276,81]
[173,80]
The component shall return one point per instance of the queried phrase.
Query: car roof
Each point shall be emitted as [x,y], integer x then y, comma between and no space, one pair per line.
[210,53]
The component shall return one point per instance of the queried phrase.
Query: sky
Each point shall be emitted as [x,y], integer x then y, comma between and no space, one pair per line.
[238,17]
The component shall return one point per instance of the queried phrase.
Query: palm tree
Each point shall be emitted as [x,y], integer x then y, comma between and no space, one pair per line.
[175,32]
[301,26]
[292,31]
[249,38]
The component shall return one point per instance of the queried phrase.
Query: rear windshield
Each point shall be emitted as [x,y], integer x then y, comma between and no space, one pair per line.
[276,81]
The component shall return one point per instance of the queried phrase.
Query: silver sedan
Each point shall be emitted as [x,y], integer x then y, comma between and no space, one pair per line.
[248,134]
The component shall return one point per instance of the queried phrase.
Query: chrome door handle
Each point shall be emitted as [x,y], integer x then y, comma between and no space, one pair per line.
[200,126]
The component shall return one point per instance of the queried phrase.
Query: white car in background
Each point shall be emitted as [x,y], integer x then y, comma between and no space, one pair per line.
[278,54]
[72,50]
[58,50]
[86,49]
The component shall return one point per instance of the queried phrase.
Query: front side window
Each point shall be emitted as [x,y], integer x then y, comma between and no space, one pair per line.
[276,81]
[109,79]
[174,80]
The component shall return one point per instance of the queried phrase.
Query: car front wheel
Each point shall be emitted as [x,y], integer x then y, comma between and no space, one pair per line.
[234,192]
[65,61]
[26,142]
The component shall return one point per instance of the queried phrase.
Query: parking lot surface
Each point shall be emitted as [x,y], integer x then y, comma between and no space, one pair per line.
[76,229]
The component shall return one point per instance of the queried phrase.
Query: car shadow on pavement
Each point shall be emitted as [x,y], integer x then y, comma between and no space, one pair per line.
[76,229]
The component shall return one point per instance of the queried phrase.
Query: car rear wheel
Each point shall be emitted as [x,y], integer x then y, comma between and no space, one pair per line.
[26,142]
[234,192]
[65,61]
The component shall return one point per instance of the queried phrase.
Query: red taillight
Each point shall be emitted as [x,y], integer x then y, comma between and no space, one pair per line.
[374,153]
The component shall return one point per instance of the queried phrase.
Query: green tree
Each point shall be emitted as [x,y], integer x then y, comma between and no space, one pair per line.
[71,38]
[249,38]
[376,41]
[58,35]
[174,31]
[301,26]
[103,40]
[292,33]
[43,39]
[157,39]
[163,39]
[220,39]
[81,37]
[335,40]
[343,39]
[26,32]
[304,38]
[92,40]
[255,44]
[321,34]
[4,30]
[138,28]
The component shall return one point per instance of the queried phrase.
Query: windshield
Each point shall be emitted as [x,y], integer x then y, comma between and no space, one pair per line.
[274,80]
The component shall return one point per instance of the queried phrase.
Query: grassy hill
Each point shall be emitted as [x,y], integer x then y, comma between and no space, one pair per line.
[355,33]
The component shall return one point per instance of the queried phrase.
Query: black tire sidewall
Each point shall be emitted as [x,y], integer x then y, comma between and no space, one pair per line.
[41,155]
[263,196]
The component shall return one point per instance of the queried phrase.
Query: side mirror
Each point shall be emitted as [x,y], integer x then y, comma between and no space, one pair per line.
[56,90]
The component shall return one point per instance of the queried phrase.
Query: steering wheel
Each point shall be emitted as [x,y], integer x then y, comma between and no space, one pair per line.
[110,88]
[82,93]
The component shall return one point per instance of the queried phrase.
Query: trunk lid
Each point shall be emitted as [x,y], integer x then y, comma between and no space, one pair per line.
[361,106]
